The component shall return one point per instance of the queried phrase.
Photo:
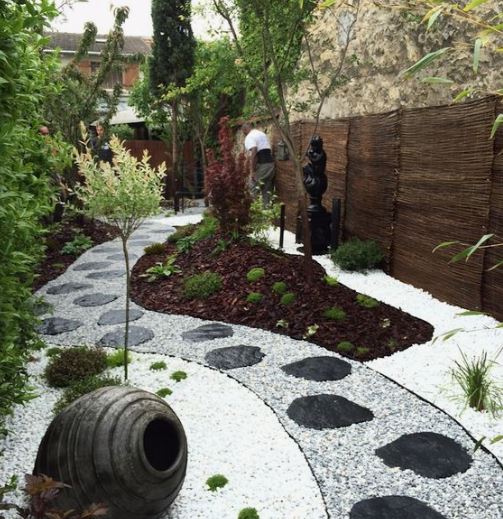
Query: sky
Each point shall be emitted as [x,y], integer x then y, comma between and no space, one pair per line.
[139,22]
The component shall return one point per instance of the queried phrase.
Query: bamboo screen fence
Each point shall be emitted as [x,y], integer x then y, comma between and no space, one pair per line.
[411,179]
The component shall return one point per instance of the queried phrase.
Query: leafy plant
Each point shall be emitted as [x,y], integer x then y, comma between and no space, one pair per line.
[221,246]
[262,218]
[366,301]
[74,364]
[254,297]
[248,513]
[345,346]
[279,287]
[178,376]
[358,255]
[154,249]
[158,366]
[202,286]
[83,387]
[79,244]
[331,281]
[164,392]
[287,299]
[255,274]
[215,482]
[116,359]
[335,313]
[480,391]
[160,270]
[311,331]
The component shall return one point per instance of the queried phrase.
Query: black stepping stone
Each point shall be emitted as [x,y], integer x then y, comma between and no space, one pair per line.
[234,357]
[119,316]
[94,299]
[141,243]
[208,332]
[120,257]
[327,412]
[393,507]
[68,288]
[57,325]
[428,454]
[319,369]
[107,274]
[137,335]
[99,250]
[93,265]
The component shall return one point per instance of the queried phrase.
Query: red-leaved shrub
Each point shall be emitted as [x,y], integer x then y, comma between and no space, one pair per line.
[227,184]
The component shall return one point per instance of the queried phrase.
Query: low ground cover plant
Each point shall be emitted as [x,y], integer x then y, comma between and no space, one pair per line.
[178,376]
[366,301]
[162,270]
[202,286]
[164,392]
[73,364]
[155,248]
[280,287]
[205,229]
[254,274]
[358,255]
[217,481]
[287,299]
[334,313]
[254,297]
[361,351]
[158,366]
[331,281]
[78,245]
[248,513]
[181,232]
[345,347]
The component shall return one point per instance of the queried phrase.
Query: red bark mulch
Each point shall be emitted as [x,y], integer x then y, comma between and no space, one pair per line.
[383,329]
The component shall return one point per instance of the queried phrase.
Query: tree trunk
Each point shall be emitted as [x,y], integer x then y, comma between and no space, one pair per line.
[128,293]
[174,146]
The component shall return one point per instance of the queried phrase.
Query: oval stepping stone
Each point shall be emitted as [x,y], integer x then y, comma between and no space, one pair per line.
[120,257]
[107,274]
[428,454]
[93,265]
[327,412]
[67,288]
[119,316]
[234,357]
[140,237]
[162,231]
[319,369]
[94,299]
[208,332]
[137,335]
[57,325]
[141,243]
[393,507]
[99,250]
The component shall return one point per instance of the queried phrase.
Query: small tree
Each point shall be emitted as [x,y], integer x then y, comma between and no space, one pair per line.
[124,193]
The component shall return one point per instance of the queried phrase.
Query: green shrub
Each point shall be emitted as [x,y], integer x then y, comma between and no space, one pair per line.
[254,297]
[288,298]
[334,313]
[216,481]
[82,387]
[164,392]
[361,351]
[52,352]
[155,248]
[255,274]
[345,347]
[181,232]
[279,287]
[74,364]
[202,286]
[158,366]
[331,281]
[178,376]
[116,359]
[366,301]
[358,255]
[248,513]
[123,131]
[79,244]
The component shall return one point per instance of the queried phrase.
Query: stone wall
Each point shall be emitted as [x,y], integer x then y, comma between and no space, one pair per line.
[387,40]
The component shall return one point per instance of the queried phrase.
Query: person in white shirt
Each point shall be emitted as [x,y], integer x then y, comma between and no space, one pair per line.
[261,160]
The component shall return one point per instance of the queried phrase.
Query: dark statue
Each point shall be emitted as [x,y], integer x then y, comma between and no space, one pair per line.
[315,182]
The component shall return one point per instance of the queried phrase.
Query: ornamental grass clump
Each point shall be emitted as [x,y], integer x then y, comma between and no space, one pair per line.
[154,249]
[202,286]
[255,274]
[123,193]
[358,255]
[227,185]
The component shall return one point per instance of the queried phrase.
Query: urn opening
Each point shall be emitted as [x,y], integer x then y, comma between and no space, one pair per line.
[161,444]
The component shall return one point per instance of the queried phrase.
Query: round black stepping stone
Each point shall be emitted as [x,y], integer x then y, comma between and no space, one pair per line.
[57,325]
[234,357]
[428,454]
[67,288]
[393,507]
[141,243]
[94,299]
[208,332]
[99,250]
[327,412]
[119,316]
[137,335]
[93,265]
[120,257]
[319,369]
[107,274]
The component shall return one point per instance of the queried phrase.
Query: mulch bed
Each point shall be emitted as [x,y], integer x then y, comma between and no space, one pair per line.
[383,329]
[55,262]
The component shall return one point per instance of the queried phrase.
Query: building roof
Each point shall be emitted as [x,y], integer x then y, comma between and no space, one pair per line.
[69,42]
